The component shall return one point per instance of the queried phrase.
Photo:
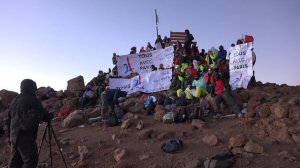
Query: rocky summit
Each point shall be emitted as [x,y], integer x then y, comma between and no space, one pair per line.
[267,136]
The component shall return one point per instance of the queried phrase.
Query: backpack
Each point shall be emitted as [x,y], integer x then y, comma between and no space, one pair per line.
[172,146]
[224,159]
[30,119]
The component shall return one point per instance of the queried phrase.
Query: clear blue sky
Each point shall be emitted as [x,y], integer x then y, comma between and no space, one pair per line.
[52,41]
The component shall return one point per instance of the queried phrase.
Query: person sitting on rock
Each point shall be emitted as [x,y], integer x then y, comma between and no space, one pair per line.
[198,87]
[110,98]
[186,85]
[175,85]
[222,95]
[88,98]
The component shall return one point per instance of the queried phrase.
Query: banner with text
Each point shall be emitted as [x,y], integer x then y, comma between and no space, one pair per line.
[240,66]
[141,62]
[153,81]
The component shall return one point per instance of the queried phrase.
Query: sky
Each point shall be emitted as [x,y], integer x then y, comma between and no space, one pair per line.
[52,41]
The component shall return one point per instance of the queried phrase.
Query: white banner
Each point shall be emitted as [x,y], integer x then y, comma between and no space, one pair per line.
[142,62]
[241,68]
[153,81]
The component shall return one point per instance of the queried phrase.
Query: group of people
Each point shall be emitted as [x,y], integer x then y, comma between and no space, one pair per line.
[195,75]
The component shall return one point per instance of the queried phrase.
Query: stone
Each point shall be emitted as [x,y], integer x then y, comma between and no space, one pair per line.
[280,110]
[294,112]
[211,140]
[127,123]
[144,157]
[60,94]
[199,124]
[281,135]
[145,134]
[120,154]
[263,110]
[43,92]
[127,116]
[253,147]
[137,108]
[238,140]
[135,95]
[71,103]
[83,152]
[6,97]
[140,125]
[296,138]
[74,119]
[129,102]
[76,84]
[284,155]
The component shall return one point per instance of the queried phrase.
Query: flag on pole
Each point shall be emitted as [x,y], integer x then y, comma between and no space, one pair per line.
[156,17]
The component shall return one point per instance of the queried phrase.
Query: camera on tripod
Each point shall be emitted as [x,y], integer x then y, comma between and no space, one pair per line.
[49,133]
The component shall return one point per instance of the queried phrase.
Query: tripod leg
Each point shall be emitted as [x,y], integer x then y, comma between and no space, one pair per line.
[43,139]
[58,146]
[50,145]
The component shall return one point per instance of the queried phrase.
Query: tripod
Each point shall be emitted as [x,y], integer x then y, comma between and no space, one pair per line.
[48,132]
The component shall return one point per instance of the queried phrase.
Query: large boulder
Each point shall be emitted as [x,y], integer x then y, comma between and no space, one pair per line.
[211,140]
[6,97]
[129,102]
[72,103]
[45,92]
[137,108]
[74,119]
[76,85]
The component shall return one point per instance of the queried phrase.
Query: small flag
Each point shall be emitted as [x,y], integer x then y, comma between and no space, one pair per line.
[156,17]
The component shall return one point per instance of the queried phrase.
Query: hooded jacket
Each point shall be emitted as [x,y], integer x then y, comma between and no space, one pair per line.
[25,113]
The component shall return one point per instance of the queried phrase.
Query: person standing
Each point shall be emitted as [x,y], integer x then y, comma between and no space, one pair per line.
[25,114]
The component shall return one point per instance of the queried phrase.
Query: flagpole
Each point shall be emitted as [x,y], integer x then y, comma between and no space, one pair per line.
[156,20]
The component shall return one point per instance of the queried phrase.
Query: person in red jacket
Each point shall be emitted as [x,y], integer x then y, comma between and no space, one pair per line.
[192,70]
[221,95]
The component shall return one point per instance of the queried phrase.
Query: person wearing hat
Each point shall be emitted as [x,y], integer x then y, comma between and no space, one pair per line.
[133,50]
[25,114]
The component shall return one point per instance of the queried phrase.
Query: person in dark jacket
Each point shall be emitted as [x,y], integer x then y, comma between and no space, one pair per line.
[25,114]
[221,54]
[110,98]
[188,41]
